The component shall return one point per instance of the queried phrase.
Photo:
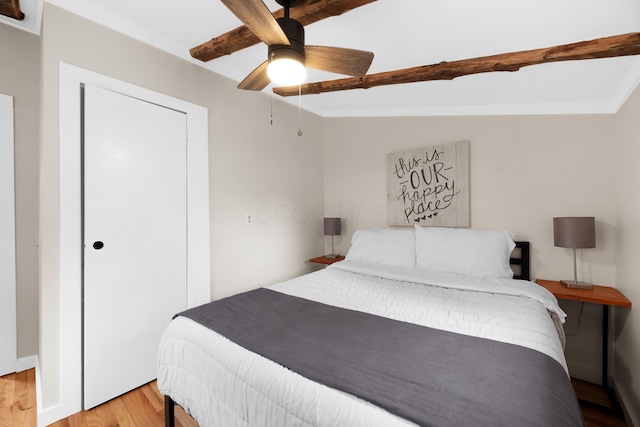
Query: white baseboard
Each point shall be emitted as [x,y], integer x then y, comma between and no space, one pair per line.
[21,364]
[50,414]
[24,363]
[46,416]
[630,416]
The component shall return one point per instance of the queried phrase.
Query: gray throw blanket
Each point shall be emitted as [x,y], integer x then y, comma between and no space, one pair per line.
[428,376]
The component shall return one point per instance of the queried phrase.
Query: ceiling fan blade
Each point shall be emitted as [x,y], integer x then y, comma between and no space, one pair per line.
[257,17]
[257,79]
[306,13]
[338,60]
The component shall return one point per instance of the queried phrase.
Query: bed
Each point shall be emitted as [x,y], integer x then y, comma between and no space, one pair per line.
[426,326]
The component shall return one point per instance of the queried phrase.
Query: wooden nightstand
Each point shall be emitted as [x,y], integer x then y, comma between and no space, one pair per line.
[326,261]
[604,295]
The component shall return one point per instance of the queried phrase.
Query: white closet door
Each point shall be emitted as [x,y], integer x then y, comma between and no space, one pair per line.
[135,238]
[8,326]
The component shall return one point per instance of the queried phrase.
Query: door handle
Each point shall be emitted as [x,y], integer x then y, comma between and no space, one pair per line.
[98,245]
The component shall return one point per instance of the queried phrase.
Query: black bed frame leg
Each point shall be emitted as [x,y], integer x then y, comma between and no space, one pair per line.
[169,412]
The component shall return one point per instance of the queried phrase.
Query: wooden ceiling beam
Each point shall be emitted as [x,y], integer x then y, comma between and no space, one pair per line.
[240,38]
[11,8]
[606,47]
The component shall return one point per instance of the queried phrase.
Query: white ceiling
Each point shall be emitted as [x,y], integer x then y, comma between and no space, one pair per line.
[416,32]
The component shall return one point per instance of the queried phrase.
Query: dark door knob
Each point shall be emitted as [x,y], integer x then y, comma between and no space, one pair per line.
[98,245]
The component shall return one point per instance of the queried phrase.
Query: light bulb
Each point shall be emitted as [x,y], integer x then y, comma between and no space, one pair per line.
[286,72]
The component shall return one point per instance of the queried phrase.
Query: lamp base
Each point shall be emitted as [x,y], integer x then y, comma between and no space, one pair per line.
[576,285]
[332,256]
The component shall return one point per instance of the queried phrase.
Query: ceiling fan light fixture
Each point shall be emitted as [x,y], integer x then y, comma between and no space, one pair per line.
[286,62]
[286,66]
[286,72]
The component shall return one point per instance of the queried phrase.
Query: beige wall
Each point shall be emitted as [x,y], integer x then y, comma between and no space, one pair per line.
[20,78]
[627,333]
[524,171]
[255,168]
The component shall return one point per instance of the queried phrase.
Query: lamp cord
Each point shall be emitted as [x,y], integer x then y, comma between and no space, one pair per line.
[579,321]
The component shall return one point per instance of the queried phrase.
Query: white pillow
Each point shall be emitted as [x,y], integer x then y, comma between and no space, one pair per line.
[388,246]
[481,253]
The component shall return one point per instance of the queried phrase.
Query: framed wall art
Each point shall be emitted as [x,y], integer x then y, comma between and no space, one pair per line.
[429,186]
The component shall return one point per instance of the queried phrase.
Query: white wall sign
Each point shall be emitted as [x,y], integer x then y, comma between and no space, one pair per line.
[429,186]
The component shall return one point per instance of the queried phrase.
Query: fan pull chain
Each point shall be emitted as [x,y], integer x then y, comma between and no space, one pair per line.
[299,102]
[271,110]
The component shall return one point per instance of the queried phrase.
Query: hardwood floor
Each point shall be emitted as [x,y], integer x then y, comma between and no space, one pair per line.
[18,399]
[599,408]
[144,407]
[141,407]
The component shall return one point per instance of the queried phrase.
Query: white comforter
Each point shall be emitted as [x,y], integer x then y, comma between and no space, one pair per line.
[221,384]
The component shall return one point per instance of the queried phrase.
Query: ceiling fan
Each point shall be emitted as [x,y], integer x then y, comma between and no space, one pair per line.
[287,53]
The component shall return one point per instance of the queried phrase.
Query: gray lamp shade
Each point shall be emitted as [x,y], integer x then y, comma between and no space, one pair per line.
[574,232]
[332,227]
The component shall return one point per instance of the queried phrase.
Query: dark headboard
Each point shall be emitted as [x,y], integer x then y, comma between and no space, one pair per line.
[520,260]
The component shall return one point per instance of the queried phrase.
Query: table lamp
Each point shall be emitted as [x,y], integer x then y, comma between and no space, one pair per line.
[576,233]
[332,228]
